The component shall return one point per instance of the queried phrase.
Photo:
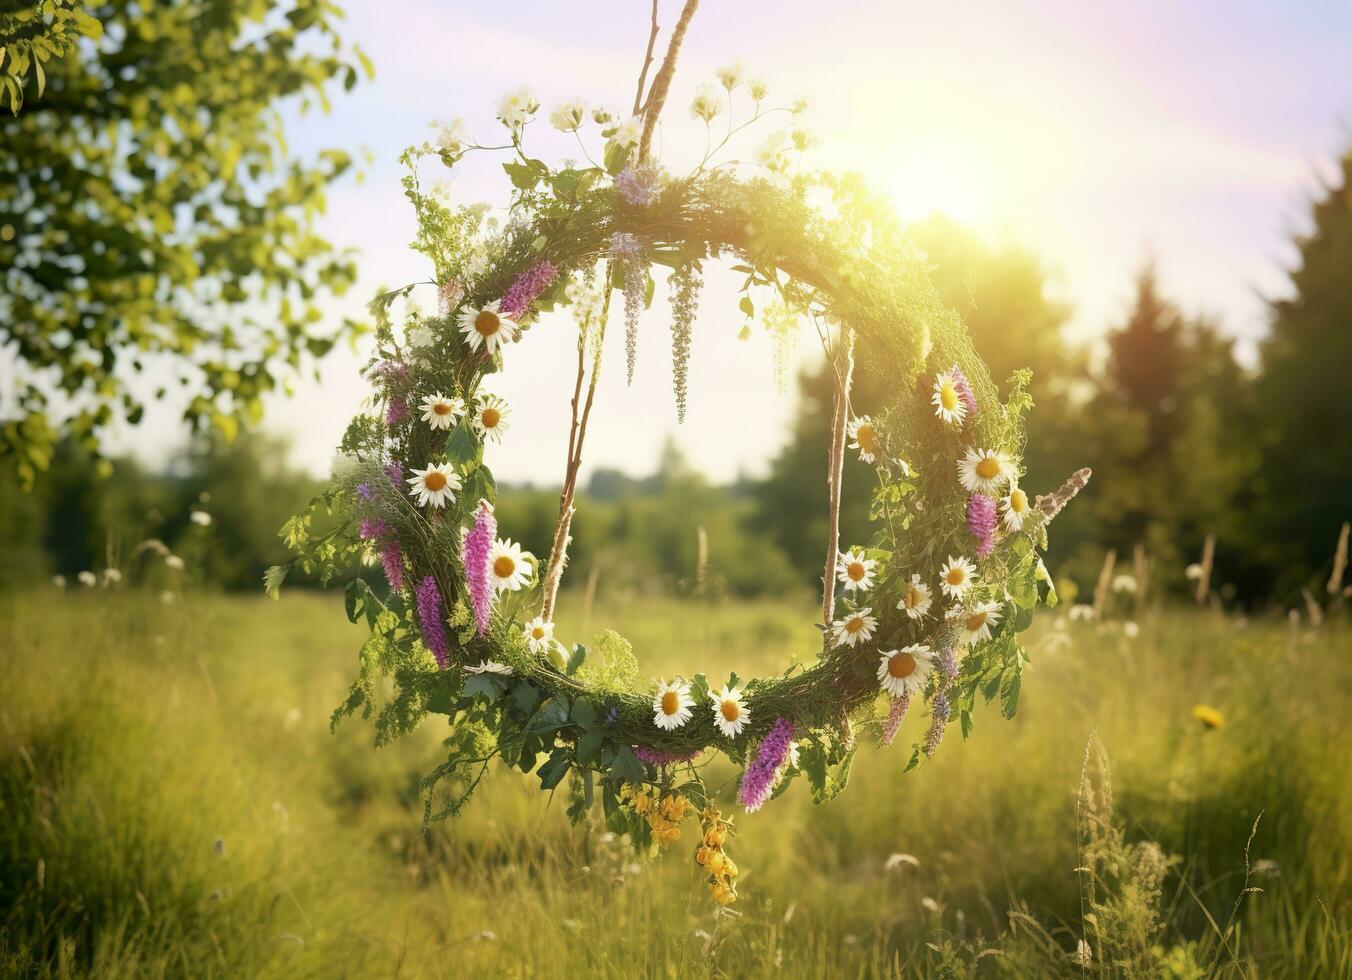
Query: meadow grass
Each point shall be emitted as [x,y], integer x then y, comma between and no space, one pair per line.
[174,804]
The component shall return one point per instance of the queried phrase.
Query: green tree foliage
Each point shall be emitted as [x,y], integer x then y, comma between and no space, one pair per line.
[150,215]
[34,33]
[1302,396]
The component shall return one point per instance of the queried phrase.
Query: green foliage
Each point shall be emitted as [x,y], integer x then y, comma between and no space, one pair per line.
[149,213]
[33,33]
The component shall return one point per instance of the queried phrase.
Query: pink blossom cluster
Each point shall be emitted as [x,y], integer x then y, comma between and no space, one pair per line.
[761,777]
[475,548]
[894,717]
[527,288]
[963,389]
[981,522]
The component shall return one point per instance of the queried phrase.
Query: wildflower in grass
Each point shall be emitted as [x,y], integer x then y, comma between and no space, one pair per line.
[490,418]
[567,117]
[981,522]
[201,518]
[985,471]
[508,569]
[1125,583]
[915,601]
[760,778]
[905,671]
[490,667]
[488,327]
[539,635]
[939,713]
[855,571]
[429,618]
[656,757]
[526,289]
[956,577]
[1081,611]
[396,411]
[672,704]
[854,628]
[474,551]
[947,400]
[1131,629]
[900,705]
[436,485]
[1015,508]
[87,578]
[441,412]
[637,186]
[963,388]
[864,437]
[1208,716]
[976,627]
[730,714]
[392,560]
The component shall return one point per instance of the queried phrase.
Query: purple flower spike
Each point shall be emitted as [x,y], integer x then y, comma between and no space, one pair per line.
[373,528]
[364,491]
[397,412]
[637,187]
[940,711]
[963,389]
[894,717]
[429,617]
[395,471]
[981,522]
[527,288]
[477,544]
[948,664]
[393,561]
[763,775]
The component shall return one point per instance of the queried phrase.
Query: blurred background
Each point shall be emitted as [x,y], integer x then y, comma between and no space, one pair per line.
[1149,205]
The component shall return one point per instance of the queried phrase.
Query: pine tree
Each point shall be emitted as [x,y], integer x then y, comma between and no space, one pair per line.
[1302,398]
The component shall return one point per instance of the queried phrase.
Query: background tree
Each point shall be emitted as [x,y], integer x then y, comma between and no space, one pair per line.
[1302,397]
[149,214]
[32,33]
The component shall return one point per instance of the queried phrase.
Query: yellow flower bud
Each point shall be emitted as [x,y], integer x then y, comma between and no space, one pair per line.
[702,855]
[717,862]
[715,836]
[729,868]
[722,893]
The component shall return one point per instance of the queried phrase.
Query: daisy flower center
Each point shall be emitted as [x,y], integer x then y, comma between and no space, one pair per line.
[866,438]
[670,703]
[854,625]
[912,597]
[976,621]
[491,418]
[441,408]
[988,468]
[948,396]
[487,323]
[856,570]
[538,633]
[1018,501]
[955,576]
[901,665]
[503,566]
[730,710]
[435,481]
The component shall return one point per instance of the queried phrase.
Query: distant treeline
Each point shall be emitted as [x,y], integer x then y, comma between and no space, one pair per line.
[1185,443]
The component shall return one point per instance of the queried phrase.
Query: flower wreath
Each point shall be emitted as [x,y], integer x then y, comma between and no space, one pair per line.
[928,611]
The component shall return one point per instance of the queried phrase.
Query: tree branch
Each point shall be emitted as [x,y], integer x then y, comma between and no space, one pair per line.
[657,95]
[844,369]
[647,60]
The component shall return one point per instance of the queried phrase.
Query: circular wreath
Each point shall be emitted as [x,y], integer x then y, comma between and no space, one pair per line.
[927,610]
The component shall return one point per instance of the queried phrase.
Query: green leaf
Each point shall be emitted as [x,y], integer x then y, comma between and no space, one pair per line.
[482,686]
[553,771]
[616,158]
[1009,693]
[526,696]
[589,747]
[551,718]
[576,659]
[584,714]
[355,599]
[746,306]
[626,765]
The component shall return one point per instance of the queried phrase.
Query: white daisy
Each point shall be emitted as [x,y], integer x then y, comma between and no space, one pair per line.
[435,485]
[916,600]
[985,471]
[508,568]
[730,714]
[1016,507]
[855,571]
[854,628]
[539,635]
[905,671]
[955,578]
[947,402]
[672,704]
[487,326]
[441,412]
[490,417]
[976,628]
[490,667]
[864,437]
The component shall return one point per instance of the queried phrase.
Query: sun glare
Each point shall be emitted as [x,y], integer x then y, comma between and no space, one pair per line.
[938,178]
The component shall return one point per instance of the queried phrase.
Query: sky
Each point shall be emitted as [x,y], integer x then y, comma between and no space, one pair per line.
[1094,134]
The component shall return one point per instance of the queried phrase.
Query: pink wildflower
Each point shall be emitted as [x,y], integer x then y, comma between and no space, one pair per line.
[373,528]
[393,561]
[963,389]
[429,617]
[981,522]
[475,548]
[397,411]
[940,711]
[761,777]
[527,288]
[894,717]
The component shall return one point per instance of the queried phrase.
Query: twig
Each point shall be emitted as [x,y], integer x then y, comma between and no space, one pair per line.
[647,60]
[836,465]
[657,95]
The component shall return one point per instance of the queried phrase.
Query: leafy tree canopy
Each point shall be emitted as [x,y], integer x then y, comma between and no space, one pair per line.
[31,34]
[149,211]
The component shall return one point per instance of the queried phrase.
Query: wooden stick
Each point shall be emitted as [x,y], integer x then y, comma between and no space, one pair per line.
[647,61]
[657,95]
[835,471]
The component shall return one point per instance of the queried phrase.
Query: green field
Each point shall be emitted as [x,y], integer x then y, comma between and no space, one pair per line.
[174,804]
